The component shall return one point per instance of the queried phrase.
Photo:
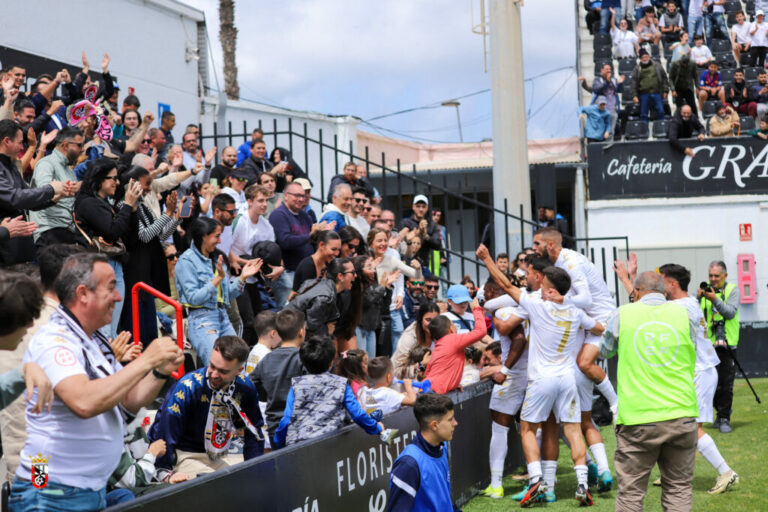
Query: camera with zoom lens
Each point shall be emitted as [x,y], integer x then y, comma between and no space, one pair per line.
[718,328]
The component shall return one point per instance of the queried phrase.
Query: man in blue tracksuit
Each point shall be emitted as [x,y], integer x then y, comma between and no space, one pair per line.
[598,127]
[420,478]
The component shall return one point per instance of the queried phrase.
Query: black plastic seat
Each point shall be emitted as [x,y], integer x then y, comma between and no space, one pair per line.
[660,129]
[636,130]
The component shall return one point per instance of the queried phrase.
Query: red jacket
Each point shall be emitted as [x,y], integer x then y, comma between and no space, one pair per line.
[447,362]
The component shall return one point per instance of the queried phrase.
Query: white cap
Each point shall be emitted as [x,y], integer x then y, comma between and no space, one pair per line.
[420,198]
[759,13]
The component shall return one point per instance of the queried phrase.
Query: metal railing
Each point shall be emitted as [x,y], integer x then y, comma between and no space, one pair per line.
[322,149]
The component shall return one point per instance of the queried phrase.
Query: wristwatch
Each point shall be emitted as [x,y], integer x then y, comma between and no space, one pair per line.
[160,375]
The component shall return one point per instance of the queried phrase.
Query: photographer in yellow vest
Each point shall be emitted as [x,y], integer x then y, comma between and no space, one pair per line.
[657,408]
[720,303]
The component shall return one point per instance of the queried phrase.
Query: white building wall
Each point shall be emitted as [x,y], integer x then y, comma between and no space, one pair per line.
[146,40]
[690,229]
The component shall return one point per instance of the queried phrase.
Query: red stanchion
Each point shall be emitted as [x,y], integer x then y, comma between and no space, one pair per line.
[141,286]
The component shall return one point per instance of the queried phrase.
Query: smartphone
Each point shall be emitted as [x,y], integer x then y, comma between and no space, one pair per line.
[214,182]
[186,207]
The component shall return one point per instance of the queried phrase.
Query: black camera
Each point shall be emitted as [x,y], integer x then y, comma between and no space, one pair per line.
[718,329]
[705,286]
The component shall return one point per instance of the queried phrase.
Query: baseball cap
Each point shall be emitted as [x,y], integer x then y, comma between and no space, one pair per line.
[759,13]
[240,173]
[420,198]
[601,100]
[458,293]
[304,182]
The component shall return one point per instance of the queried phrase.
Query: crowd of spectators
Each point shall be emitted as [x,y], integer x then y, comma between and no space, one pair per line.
[678,50]
[293,318]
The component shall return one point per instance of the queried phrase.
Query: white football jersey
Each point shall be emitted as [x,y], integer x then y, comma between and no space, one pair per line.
[588,290]
[504,313]
[706,357]
[554,341]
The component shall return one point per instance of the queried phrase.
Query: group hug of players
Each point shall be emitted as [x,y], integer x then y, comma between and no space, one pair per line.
[550,333]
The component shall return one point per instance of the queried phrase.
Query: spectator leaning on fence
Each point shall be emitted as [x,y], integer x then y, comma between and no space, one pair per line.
[598,126]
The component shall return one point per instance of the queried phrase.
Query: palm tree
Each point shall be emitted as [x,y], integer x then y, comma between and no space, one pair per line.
[228,39]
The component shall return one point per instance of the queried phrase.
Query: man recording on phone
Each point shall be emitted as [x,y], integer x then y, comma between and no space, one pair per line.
[720,303]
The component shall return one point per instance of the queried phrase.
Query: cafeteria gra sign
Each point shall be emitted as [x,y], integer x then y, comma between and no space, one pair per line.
[720,166]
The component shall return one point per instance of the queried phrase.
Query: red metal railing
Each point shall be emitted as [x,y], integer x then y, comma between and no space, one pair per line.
[179,319]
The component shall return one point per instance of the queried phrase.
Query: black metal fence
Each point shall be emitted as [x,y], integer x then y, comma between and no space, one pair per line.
[323,157]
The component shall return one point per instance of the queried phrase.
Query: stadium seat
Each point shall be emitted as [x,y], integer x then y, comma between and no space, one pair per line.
[636,130]
[731,19]
[601,40]
[602,53]
[727,74]
[633,111]
[600,63]
[751,73]
[627,65]
[654,51]
[751,83]
[725,60]
[732,6]
[747,123]
[721,46]
[750,6]
[660,129]
[709,108]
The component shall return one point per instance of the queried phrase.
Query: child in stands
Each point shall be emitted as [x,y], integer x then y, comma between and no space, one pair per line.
[318,403]
[418,359]
[265,325]
[381,396]
[472,358]
[353,366]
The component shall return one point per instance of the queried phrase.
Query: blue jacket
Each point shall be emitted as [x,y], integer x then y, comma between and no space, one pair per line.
[243,152]
[598,122]
[194,273]
[181,420]
[421,478]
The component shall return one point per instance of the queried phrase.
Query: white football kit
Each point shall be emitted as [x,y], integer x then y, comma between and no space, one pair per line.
[588,290]
[705,373]
[507,398]
[554,343]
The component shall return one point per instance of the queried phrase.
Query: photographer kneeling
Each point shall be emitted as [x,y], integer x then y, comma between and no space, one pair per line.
[720,302]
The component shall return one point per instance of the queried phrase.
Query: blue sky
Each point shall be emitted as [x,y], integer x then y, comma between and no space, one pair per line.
[370,58]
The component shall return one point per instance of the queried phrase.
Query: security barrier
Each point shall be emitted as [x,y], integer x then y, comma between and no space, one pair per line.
[141,286]
[344,471]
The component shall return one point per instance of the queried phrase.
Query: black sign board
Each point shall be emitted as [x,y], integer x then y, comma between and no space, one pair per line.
[347,470]
[720,166]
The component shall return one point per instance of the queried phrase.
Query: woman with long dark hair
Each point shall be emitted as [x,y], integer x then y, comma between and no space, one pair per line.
[205,288]
[352,242]
[98,218]
[368,294]
[415,335]
[292,170]
[328,245]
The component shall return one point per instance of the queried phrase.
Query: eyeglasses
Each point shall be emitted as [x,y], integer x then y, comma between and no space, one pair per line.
[521,260]
[145,141]
[231,212]
[294,194]
[353,272]
[359,199]
[173,256]
[417,283]
[432,286]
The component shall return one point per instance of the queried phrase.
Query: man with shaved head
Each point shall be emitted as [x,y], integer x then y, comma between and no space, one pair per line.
[227,165]
[657,401]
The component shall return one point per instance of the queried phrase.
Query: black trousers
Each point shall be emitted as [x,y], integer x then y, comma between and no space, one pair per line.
[249,305]
[757,55]
[726,371]
[686,97]
[57,236]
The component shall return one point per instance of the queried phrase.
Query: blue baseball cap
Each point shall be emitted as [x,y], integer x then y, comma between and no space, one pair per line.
[458,293]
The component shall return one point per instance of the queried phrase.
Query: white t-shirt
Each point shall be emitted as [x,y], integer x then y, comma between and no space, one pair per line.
[241,203]
[742,33]
[246,234]
[588,290]
[759,38]
[386,399]
[623,43]
[700,54]
[706,357]
[695,8]
[554,340]
[471,375]
[254,358]
[359,223]
[467,325]
[82,452]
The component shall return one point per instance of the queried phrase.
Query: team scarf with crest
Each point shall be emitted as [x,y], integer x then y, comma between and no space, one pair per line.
[224,419]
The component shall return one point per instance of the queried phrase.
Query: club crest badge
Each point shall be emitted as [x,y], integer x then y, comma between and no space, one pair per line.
[40,471]
[221,434]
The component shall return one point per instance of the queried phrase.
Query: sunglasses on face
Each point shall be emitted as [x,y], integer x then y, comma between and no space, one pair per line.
[432,286]
[353,247]
[145,141]
[367,209]
[113,178]
[359,200]
[231,212]
[241,179]
[417,283]
[353,272]
[172,257]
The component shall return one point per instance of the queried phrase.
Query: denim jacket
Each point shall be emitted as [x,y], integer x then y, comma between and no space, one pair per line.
[194,274]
